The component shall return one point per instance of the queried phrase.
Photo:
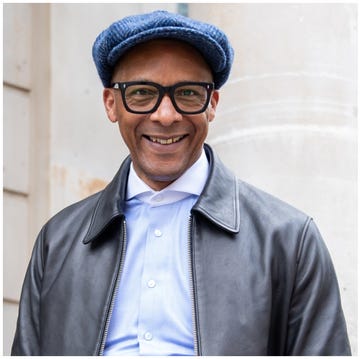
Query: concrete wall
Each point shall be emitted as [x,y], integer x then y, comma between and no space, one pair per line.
[287,119]
[26,85]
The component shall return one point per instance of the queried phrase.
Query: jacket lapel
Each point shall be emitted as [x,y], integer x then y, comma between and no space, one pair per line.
[110,204]
[219,201]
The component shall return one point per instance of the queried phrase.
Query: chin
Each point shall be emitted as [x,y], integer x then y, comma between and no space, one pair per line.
[166,177]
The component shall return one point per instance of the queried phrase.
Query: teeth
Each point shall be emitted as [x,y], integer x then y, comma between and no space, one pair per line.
[168,141]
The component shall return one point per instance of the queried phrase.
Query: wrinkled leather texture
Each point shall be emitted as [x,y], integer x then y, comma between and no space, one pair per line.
[263,279]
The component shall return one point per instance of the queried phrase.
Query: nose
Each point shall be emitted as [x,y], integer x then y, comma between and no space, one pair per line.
[166,113]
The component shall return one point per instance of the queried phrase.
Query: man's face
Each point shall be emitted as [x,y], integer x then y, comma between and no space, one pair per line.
[165,143]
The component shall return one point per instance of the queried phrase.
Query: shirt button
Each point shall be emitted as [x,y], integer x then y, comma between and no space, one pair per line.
[157,233]
[151,283]
[159,198]
[148,336]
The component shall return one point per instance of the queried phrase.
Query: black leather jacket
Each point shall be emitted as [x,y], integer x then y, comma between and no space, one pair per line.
[262,279]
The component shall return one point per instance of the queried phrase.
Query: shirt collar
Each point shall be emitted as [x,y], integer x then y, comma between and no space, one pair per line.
[191,182]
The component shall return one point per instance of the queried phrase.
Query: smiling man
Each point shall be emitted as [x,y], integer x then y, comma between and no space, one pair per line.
[176,256]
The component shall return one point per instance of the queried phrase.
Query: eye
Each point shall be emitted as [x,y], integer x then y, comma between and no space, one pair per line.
[193,93]
[141,91]
[186,92]
[190,91]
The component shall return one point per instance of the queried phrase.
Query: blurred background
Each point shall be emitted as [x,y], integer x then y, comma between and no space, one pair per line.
[287,119]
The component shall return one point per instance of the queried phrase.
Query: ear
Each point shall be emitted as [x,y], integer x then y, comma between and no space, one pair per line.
[110,104]
[213,104]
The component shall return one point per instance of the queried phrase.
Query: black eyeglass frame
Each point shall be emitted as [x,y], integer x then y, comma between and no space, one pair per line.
[163,90]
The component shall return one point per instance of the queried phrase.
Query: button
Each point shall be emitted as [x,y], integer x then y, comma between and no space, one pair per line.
[148,336]
[158,198]
[157,233]
[151,283]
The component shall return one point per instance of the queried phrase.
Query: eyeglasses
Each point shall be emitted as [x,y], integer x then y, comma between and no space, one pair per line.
[143,97]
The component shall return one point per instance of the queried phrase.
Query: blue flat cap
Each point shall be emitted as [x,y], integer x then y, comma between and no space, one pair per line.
[124,34]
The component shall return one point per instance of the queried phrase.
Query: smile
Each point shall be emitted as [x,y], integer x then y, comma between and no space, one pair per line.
[165,141]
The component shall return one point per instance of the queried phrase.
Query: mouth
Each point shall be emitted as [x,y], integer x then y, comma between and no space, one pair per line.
[165,141]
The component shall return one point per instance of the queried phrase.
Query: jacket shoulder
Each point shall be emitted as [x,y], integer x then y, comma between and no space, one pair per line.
[67,227]
[268,207]
[276,223]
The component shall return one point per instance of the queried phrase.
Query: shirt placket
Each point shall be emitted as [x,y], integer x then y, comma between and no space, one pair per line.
[152,283]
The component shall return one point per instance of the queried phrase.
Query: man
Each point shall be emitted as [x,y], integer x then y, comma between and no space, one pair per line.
[176,256]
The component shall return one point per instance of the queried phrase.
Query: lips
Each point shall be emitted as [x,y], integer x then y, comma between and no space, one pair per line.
[165,141]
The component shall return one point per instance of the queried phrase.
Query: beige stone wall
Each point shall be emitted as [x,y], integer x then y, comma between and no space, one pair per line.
[287,120]
[26,145]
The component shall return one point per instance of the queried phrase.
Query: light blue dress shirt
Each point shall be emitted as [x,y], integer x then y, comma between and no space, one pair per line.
[152,314]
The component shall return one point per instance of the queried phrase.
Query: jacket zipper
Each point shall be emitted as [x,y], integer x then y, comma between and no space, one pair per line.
[192,291]
[112,303]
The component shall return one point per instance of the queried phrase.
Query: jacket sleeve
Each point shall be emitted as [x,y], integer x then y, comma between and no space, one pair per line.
[27,335]
[316,324]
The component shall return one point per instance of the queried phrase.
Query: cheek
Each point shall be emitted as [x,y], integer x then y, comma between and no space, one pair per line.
[128,125]
[125,130]
[202,127]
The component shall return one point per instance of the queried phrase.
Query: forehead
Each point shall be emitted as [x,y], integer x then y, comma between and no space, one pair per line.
[163,52]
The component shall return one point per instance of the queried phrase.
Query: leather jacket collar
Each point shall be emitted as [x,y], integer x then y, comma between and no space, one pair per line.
[213,203]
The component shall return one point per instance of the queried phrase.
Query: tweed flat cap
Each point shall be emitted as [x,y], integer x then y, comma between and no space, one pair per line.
[124,34]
